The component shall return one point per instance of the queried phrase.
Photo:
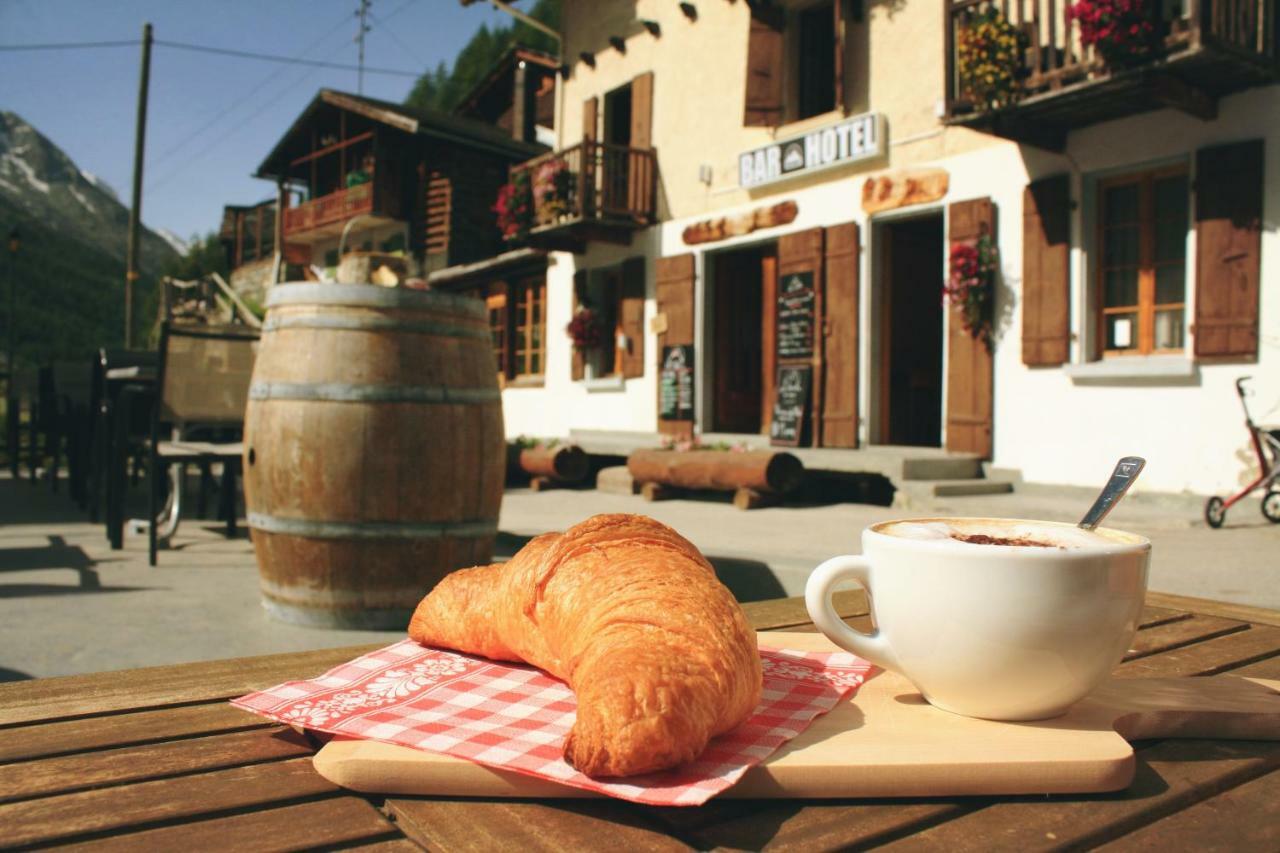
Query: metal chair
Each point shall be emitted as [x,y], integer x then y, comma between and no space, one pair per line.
[202,390]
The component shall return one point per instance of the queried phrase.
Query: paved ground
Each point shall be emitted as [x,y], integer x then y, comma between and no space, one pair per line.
[68,604]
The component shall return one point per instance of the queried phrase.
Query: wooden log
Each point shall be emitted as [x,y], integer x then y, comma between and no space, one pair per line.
[762,470]
[567,463]
[542,484]
[658,492]
[745,498]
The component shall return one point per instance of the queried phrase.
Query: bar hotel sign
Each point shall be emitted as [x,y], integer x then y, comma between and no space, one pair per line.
[859,138]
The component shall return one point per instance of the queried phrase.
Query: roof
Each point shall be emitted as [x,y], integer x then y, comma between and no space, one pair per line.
[411,120]
[502,67]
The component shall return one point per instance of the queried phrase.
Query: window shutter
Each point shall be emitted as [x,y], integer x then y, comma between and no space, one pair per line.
[838,11]
[1228,249]
[969,364]
[590,109]
[631,317]
[639,169]
[674,279]
[578,370]
[764,72]
[1046,284]
[839,426]
[800,252]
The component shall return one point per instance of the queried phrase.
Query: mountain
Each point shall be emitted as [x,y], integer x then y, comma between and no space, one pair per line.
[69,269]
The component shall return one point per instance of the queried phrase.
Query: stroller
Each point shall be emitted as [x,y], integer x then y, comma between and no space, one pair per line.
[1266,442]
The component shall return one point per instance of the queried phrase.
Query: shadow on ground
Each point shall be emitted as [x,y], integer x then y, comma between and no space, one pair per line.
[56,555]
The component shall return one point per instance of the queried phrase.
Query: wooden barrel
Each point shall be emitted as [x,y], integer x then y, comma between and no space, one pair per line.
[374,450]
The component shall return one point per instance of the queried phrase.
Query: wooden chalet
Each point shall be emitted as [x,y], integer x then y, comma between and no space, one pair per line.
[248,233]
[395,178]
[518,95]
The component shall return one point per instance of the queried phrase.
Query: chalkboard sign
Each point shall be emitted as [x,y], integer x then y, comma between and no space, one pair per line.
[790,404]
[675,386]
[795,315]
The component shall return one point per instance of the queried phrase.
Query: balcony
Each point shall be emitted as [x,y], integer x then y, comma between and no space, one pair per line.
[325,216]
[591,191]
[1200,51]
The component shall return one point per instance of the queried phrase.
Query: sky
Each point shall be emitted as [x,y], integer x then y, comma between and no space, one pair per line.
[211,119]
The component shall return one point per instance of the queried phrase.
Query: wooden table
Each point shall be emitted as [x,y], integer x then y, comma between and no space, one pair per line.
[156,759]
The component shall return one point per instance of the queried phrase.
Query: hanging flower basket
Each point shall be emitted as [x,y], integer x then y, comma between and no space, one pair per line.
[1123,32]
[989,59]
[514,208]
[972,284]
[553,185]
[586,330]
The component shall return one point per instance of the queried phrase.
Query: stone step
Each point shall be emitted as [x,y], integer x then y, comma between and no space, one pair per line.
[920,493]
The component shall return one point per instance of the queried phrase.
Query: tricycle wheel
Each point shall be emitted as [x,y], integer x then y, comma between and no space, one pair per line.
[1271,507]
[1214,512]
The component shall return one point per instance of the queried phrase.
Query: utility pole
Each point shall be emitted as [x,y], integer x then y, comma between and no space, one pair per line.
[362,13]
[135,209]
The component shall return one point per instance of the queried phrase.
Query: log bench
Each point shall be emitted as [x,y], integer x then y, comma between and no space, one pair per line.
[757,478]
[547,467]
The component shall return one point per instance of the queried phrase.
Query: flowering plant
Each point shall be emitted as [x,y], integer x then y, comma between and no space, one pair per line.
[586,330]
[1122,31]
[989,56]
[971,285]
[514,207]
[552,188]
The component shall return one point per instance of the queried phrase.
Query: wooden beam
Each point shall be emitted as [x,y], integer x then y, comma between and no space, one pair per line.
[1177,93]
[343,143]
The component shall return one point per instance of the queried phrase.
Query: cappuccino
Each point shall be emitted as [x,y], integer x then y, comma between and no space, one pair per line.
[1004,532]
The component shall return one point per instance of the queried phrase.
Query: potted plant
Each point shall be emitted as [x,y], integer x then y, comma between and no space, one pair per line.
[552,190]
[587,332]
[971,285]
[1123,32]
[989,59]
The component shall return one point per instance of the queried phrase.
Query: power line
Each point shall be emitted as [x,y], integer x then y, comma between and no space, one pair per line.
[70,45]
[413,54]
[315,63]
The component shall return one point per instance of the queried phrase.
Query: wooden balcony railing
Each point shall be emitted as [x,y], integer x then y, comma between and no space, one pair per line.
[1216,46]
[332,209]
[593,182]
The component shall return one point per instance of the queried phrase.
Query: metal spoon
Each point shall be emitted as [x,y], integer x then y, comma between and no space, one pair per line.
[1127,470]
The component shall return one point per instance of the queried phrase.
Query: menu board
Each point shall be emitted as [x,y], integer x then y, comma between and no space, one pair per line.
[675,385]
[790,404]
[795,315]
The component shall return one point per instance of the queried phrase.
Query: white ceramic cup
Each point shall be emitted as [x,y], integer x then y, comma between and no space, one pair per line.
[993,631]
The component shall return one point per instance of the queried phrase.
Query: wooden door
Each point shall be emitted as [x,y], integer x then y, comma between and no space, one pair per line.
[801,254]
[970,380]
[674,279]
[839,414]
[768,344]
[737,347]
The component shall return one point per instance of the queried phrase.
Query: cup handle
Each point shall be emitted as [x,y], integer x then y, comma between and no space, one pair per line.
[817,598]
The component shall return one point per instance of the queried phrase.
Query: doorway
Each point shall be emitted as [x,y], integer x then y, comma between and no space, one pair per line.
[743,286]
[911,324]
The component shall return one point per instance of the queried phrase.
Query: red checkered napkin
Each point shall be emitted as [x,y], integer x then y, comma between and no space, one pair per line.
[516,717]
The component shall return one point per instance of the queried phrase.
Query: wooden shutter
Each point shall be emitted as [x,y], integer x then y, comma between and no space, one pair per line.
[639,172]
[675,277]
[1228,249]
[838,10]
[839,421]
[631,317]
[439,210]
[1046,283]
[969,364]
[590,109]
[578,370]
[764,71]
[800,252]
[587,191]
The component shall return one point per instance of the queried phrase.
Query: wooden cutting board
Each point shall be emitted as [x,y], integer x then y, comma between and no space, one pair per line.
[888,742]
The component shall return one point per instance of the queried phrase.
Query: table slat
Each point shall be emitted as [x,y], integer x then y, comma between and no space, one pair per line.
[1170,635]
[158,686]
[1209,607]
[49,739]
[1171,776]
[138,806]
[27,779]
[779,613]
[1217,823]
[322,824]
[550,825]
[1218,654]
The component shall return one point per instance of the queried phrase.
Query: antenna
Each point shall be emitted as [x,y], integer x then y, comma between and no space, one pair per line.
[362,13]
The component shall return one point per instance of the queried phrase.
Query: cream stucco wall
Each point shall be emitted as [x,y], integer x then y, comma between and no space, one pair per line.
[1051,427]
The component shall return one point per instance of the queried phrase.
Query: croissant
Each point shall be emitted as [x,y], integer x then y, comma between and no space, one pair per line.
[629,614]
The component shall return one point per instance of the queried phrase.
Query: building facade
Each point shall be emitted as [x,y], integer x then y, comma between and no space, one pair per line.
[764,201]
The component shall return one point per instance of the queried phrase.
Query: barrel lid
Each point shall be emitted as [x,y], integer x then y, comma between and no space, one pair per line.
[372,296]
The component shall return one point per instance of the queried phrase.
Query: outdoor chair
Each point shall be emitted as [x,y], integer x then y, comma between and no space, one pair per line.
[202,390]
[121,396]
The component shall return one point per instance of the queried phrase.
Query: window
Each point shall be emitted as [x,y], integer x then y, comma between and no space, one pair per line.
[795,61]
[518,326]
[815,59]
[603,296]
[1142,271]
